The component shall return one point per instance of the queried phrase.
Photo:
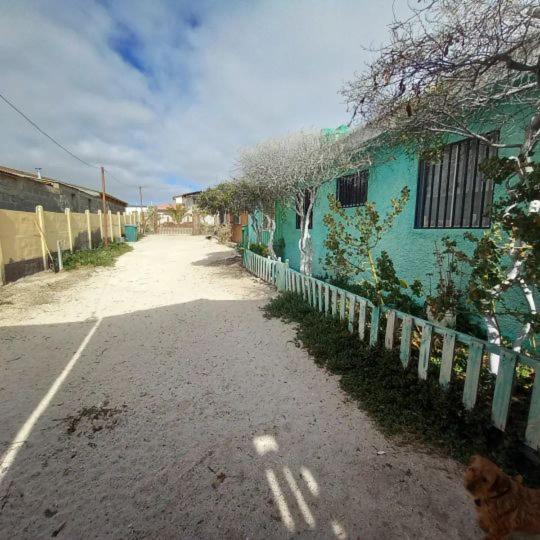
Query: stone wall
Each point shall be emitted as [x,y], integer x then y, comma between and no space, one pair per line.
[24,194]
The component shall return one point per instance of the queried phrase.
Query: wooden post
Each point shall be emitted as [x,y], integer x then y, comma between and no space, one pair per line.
[2,266]
[109,213]
[503,389]
[472,375]
[119,225]
[532,433]
[41,232]
[100,215]
[70,234]
[104,204]
[390,325]
[88,228]
[374,330]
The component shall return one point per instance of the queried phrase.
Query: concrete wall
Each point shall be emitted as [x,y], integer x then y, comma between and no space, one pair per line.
[25,237]
[24,194]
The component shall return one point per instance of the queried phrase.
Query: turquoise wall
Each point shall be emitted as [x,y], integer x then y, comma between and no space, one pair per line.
[410,249]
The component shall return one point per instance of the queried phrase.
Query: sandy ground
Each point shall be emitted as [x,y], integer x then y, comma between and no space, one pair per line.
[201,419]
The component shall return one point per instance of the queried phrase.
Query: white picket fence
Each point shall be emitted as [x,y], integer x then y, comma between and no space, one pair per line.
[365,319]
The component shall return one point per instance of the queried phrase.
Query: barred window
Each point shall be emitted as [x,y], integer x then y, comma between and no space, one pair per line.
[453,193]
[307,197]
[351,190]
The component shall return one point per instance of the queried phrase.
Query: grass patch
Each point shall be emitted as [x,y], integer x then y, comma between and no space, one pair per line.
[401,404]
[101,256]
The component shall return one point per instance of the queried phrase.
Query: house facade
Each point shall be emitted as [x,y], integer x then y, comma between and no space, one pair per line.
[189,200]
[23,191]
[448,198]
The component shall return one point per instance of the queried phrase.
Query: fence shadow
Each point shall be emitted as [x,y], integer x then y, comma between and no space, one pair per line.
[191,420]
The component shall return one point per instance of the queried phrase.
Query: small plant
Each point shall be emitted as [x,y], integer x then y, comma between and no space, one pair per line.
[259,249]
[351,241]
[101,256]
[223,233]
[395,292]
[444,298]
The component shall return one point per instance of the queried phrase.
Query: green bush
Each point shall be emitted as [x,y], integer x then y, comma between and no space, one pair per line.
[101,256]
[259,249]
[417,411]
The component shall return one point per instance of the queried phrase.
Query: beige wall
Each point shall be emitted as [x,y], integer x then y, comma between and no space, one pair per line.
[22,251]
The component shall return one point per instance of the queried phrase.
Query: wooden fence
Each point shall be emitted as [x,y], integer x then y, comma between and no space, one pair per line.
[175,230]
[367,319]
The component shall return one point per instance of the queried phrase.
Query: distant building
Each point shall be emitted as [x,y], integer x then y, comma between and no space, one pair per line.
[23,191]
[189,200]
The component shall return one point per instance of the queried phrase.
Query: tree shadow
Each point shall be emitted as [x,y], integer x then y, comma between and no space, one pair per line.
[193,387]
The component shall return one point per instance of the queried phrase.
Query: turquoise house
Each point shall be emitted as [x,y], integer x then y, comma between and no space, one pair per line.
[448,198]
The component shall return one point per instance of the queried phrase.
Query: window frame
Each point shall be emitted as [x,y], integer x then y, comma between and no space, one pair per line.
[363,176]
[424,191]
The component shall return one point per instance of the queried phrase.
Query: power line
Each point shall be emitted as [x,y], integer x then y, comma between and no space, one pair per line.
[117,179]
[31,122]
[52,139]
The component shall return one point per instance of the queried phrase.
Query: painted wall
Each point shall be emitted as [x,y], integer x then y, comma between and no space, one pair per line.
[410,249]
[24,194]
[21,250]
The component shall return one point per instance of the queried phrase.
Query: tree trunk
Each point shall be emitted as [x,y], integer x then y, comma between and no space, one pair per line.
[494,337]
[306,247]
[272,230]
[305,244]
[257,227]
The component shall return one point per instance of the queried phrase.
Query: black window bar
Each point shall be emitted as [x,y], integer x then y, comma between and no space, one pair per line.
[453,193]
[351,190]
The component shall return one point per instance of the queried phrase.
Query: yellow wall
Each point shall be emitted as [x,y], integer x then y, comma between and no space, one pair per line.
[20,239]
[19,236]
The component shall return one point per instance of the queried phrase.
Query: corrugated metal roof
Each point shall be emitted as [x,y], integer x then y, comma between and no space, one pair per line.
[47,180]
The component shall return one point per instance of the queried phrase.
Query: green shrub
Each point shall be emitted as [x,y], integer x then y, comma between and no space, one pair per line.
[259,249]
[101,256]
[417,411]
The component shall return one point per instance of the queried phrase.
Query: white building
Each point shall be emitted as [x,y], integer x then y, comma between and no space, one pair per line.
[189,200]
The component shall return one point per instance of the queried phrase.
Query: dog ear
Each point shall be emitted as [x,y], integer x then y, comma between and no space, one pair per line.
[502,483]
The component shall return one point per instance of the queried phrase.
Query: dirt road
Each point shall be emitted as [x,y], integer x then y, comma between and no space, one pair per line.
[153,400]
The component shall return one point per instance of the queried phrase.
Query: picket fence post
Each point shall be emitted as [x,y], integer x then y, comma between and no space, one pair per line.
[69,233]
[41,226]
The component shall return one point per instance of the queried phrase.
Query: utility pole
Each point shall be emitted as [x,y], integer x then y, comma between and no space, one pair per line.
[104,208]
[143,220]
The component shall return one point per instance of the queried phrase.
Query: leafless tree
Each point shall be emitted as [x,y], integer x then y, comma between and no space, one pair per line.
[451,68]
[289,171]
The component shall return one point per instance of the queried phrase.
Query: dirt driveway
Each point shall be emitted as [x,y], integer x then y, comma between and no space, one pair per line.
[153,400]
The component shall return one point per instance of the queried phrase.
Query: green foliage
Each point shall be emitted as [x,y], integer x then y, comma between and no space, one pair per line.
[176,212]
[101,256]
[223,233]
[218,199]
[507,256]
[401,404]
[259,249]
[394,291]
[446,296]
[350,242]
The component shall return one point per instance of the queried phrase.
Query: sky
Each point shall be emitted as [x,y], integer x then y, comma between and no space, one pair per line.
[166,93]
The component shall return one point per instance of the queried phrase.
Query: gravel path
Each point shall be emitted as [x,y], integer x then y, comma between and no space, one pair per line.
[180,412]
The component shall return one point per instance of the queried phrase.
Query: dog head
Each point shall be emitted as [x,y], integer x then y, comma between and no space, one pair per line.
[484,480]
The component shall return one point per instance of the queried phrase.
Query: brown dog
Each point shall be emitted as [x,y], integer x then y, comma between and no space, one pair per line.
[503,504]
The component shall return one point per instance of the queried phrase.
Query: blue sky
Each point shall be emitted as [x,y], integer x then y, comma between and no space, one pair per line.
[166,93]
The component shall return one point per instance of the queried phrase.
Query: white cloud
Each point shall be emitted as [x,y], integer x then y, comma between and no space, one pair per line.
[216,76]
